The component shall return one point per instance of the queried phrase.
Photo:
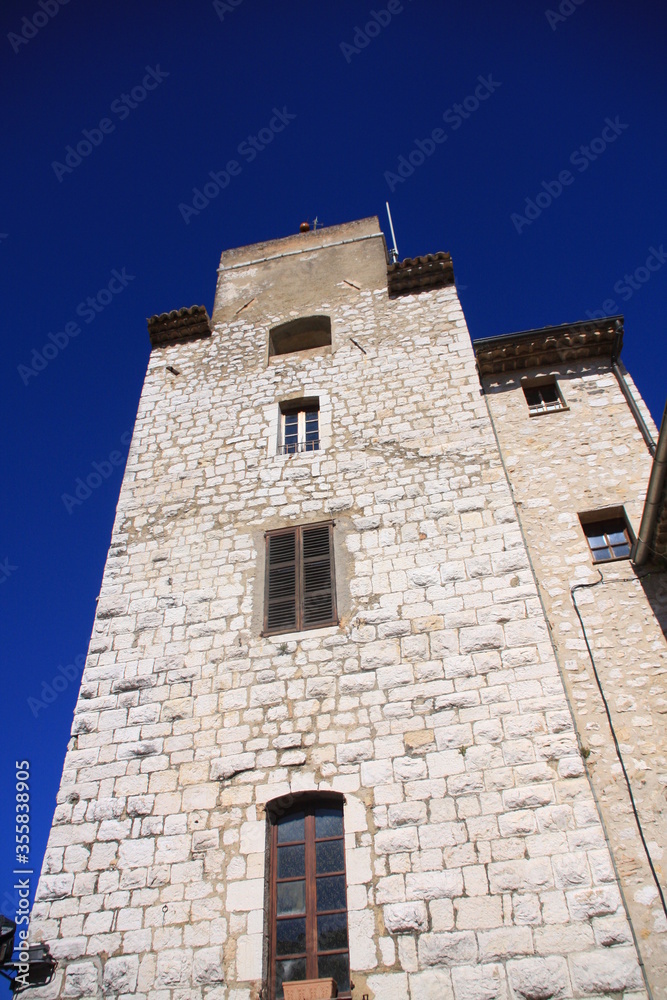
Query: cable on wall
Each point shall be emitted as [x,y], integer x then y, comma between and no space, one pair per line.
[583,586]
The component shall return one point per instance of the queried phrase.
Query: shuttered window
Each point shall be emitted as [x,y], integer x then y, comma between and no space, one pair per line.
[300,590]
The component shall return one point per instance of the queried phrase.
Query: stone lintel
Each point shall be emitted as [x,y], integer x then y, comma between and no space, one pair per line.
[550,345]
[179,324]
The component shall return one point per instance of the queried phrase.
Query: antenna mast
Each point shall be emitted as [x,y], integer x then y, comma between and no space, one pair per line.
[393,253]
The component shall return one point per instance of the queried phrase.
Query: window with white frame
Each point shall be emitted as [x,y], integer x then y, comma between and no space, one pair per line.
[608,534]
[299,428]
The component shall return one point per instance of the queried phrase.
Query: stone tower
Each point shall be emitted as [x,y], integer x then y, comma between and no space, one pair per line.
[322,731]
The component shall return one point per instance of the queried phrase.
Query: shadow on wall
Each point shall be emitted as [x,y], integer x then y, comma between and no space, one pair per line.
[655,588]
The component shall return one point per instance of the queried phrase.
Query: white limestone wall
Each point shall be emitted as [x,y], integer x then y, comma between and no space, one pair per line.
[477,865]
[561,464]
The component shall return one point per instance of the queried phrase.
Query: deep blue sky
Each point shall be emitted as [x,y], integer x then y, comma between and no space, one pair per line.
[218,77]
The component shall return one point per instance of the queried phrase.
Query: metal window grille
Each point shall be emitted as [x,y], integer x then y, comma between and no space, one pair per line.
[300,430]
[300,586]
[544,398]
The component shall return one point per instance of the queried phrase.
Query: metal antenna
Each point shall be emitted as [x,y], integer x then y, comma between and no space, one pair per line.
[393,253]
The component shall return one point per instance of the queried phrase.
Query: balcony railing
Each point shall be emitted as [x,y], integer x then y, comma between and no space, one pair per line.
[293,447]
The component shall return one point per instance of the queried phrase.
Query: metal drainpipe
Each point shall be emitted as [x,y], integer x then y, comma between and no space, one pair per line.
[625,389]
[656,485]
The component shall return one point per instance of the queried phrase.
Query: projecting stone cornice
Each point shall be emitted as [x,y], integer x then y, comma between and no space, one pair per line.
[179,324]
[420,273]
[550,345]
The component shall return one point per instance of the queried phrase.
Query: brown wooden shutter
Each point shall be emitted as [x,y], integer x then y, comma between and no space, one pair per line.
[281,582]
[300,587]
[317,578]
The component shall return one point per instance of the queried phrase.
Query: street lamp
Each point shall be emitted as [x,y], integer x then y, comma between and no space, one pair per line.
[37,970]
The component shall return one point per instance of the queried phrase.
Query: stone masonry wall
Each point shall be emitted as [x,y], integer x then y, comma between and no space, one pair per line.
[476,861]
[592,456]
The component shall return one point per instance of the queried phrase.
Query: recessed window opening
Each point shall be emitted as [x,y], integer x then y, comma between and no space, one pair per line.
[544,397]
[299,426]
[609,536]
[300,585]
[308,918]
[302,334]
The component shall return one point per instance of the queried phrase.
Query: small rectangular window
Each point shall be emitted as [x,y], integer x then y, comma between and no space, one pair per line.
[299,427]
[544,397]
[300,586]
[608,538]
[308,896]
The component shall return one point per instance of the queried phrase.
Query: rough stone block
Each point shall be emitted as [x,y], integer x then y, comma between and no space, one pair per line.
[120,974]
[404,918]
[224,768]
[434,885]
[611,971]
[449,949]
[362,936]
[539,978]
[483,982]
[478,912]
[207,965]
[81,980]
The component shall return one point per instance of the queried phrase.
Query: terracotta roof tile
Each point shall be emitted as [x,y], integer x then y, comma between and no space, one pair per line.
[415,274]
[179,324]
[550,345]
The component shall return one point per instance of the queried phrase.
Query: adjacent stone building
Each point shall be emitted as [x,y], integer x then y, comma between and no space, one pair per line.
[339,717]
